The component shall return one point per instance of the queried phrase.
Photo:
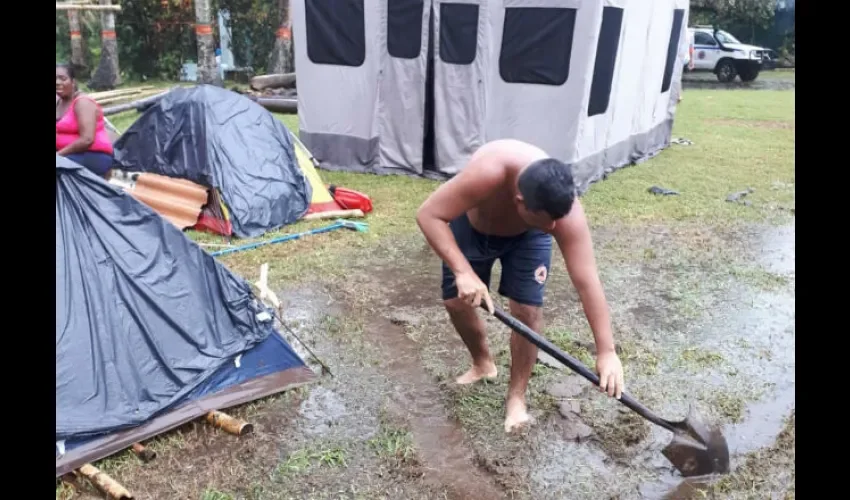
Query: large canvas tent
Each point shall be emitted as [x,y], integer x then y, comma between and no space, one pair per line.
[588,81]
[223,140]
[151,331]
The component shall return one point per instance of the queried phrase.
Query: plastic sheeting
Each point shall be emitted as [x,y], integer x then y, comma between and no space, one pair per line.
[144,316]
[218,138]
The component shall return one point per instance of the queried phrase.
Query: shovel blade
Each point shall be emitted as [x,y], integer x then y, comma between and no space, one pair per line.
[696,449]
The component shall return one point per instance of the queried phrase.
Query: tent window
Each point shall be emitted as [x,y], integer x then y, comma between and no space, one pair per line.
[606,60]
[336,32]
[404,28]
[672,49]
[458,32]
[536,45]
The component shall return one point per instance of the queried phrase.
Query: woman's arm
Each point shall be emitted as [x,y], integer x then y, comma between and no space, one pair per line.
[86,113]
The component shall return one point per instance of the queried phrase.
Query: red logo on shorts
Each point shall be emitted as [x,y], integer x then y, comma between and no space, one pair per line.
[540,274]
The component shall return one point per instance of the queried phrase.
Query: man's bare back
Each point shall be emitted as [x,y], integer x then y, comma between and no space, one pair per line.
[497,215]
[508,204]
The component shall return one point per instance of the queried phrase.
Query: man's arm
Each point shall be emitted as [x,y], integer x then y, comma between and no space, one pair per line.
[463,192]
[573,237]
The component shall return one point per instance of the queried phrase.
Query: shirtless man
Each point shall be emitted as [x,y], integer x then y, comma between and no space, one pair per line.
[509,202]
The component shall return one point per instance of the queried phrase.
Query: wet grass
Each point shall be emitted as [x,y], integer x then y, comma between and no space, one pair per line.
[316,456]
[395,446]
[684,246]
[767,473]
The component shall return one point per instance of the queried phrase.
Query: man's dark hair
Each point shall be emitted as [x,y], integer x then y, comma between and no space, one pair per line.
[548,185]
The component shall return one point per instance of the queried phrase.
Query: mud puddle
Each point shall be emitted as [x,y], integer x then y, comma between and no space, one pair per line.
[349,409]
[756,338]
[439,440]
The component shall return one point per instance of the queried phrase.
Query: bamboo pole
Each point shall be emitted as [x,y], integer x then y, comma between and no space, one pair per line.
[105,483]
[120,98]
[78,6]
[118,92]
[118,108]
[334,214]
[228,424]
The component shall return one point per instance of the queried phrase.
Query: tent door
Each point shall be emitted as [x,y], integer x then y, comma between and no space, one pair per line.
[429,157]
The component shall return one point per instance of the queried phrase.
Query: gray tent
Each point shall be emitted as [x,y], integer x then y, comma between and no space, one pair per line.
[415,87]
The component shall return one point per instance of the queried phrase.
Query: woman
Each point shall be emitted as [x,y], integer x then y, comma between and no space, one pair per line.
[80,132]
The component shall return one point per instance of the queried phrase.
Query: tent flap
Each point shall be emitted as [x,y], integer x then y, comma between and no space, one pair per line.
[145,318]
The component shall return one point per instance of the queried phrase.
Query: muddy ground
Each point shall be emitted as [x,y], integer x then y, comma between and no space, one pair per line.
[779,79]
[703,315]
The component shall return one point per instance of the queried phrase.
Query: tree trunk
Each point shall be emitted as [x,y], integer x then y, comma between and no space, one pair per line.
[207,67]
[108,75]
[78,54]
[281,57]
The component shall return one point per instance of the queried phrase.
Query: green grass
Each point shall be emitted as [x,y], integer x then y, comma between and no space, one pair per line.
[739,143]
[742,139]
[306,458]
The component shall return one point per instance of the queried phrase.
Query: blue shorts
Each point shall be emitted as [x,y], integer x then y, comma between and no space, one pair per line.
[525,261]
[96,161]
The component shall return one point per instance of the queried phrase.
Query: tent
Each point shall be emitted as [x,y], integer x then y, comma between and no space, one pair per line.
[222,140]
[151,331]
[589,82]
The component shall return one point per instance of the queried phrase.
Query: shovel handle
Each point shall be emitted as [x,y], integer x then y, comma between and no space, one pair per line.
[574,364]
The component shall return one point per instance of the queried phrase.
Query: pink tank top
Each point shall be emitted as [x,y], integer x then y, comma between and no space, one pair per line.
[68,130]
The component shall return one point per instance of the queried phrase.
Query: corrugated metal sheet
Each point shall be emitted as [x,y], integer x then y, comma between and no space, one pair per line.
[177,200]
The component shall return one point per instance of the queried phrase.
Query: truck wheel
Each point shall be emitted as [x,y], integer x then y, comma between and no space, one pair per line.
[726,71]
[748,75]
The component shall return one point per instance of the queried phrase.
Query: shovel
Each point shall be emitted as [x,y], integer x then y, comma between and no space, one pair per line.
[695,449]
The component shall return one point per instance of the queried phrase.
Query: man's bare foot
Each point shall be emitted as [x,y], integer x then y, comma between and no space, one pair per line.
[516,415]
[476,373]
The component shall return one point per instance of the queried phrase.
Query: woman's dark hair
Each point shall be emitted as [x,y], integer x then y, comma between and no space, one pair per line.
[69,68]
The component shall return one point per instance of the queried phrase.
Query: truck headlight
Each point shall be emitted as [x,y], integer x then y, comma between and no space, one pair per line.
[754,54]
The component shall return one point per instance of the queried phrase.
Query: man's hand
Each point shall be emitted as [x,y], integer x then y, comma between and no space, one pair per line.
[472,290]
[610,372]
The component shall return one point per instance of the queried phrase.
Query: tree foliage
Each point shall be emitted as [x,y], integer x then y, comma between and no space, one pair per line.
[156,37]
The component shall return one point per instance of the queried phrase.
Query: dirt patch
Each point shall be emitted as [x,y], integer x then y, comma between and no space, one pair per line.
[391,423]
[771,124]
[438,438]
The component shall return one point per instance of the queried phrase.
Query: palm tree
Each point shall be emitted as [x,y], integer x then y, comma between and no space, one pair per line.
[207,67]
[282,60]
[108,75]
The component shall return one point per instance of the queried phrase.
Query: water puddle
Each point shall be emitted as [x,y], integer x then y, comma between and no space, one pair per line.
[438,438]
[322,410]
[756,335]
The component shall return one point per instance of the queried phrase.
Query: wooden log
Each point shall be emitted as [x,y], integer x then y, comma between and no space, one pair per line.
[105,483]
[79,6]
[229,424]
[278,104]
[144,454]
[120,108]
[273,81]
[118,92]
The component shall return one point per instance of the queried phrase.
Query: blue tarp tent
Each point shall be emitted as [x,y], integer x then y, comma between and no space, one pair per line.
[151,331]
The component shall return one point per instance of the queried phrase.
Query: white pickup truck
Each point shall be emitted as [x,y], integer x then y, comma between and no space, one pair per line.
[722,54]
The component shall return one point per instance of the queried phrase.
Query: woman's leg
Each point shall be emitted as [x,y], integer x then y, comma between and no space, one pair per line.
[95,161]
